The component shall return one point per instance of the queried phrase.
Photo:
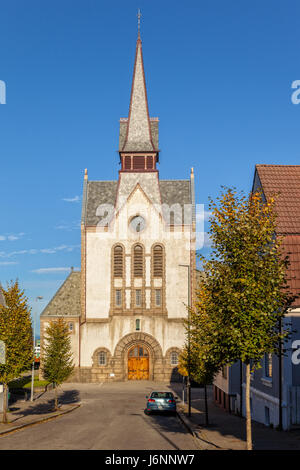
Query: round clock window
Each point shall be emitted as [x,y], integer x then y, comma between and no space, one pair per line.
[137,224]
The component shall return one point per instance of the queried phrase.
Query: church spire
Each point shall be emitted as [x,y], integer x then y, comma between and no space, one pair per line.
[138,134]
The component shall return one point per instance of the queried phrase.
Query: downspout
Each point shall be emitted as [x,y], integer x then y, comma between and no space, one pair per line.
[280,378]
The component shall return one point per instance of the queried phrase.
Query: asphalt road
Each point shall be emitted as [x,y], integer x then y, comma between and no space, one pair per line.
[111,417]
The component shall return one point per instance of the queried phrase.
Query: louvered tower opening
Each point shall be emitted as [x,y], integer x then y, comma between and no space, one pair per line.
[138,261]
[118,261]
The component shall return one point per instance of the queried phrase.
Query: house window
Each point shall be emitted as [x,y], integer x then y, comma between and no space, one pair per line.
[118,261]
[224,372]
[174,358]
[157,297]
[268,365]
[118,298]
[138,261]
[137,325]
[102,358]
[157,261]
[71,327]
[138,298]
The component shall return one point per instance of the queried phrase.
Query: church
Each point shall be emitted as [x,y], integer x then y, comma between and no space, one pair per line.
[126,307]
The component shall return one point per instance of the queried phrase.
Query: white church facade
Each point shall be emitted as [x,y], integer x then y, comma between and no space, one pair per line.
[126,307]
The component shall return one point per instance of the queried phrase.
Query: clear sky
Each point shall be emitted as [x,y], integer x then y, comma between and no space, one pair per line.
[218,76]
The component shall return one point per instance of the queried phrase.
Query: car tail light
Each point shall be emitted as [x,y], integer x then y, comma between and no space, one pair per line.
[151,400]
[171,401]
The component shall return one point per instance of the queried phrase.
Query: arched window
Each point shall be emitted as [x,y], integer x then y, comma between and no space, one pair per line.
[138,261]
[157,261]
[174,358]
[118,261]
[102,358]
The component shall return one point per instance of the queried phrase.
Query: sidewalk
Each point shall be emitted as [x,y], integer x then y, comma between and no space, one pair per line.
[228,431]
[24,413]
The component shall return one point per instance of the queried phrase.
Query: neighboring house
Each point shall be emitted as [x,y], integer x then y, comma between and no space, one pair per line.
[275,388]
[127,306]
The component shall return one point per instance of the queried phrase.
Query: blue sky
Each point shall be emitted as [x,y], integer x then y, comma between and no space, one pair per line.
[218,75]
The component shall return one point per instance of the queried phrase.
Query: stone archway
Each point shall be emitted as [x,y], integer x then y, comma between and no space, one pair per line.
[142,340]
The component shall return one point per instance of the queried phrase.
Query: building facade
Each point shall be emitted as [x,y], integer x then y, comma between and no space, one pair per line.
[127,305]
[275,387]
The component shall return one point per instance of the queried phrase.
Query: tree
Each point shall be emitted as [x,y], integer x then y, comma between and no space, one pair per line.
[57,358]
[16,332]
[192,359]
[244,293]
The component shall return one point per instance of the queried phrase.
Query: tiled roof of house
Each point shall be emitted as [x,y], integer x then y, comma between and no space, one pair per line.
[283,180]
[66,301]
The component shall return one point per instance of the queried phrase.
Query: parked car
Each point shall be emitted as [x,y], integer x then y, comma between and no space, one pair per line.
[161,401]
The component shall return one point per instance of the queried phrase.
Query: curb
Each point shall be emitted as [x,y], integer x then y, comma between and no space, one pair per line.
[38,421]
[187,424]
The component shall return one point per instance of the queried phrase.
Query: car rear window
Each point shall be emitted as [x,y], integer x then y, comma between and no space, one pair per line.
[162,395]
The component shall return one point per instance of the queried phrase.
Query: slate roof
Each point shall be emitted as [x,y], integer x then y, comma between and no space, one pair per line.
[105,192]
[284,181]
[66,301]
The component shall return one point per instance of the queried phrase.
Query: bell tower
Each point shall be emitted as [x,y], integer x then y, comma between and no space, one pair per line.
[138,140]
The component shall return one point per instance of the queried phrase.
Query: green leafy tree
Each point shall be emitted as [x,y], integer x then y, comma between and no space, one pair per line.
[193,362]
[244,295]
[57,359]
[16,332]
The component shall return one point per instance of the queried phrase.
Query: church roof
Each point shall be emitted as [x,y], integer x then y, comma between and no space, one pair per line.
[66,301]
[105,192]
[136,133]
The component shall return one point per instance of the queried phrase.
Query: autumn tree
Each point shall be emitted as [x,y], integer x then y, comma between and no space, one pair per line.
[244,295]
[16,333]
[57,357]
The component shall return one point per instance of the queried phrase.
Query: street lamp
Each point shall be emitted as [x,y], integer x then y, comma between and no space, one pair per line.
[189,338]
[39,297]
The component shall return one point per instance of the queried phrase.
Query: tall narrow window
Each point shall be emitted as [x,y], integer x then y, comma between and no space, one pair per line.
[118,298]
[157,297]
[138,261]
[118,261]
[268,365]
[137,325]
[157,261]
[102,358]
[138,298]
[174,358]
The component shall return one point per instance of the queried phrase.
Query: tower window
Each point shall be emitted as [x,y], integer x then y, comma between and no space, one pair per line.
[118,297]
[138,297]
[118,261]
[137,325]
[157,297]
[157,261]
[138,162]
[138,261]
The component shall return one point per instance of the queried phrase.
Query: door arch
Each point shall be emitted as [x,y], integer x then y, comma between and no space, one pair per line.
[138,362]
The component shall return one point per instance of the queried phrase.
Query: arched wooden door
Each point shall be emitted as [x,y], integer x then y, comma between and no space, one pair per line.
[138,363]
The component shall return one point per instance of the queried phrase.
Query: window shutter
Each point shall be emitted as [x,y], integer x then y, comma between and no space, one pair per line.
[157,261]
[118,261]
[138,261]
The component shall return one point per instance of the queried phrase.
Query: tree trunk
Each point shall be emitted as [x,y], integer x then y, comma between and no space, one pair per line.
[4,419]
[248,410]
[206,407]
[56,398]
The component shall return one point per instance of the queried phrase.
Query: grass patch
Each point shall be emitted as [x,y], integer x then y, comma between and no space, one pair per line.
[25,382]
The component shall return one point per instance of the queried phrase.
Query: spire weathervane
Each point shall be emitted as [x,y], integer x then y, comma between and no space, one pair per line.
[139,22]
